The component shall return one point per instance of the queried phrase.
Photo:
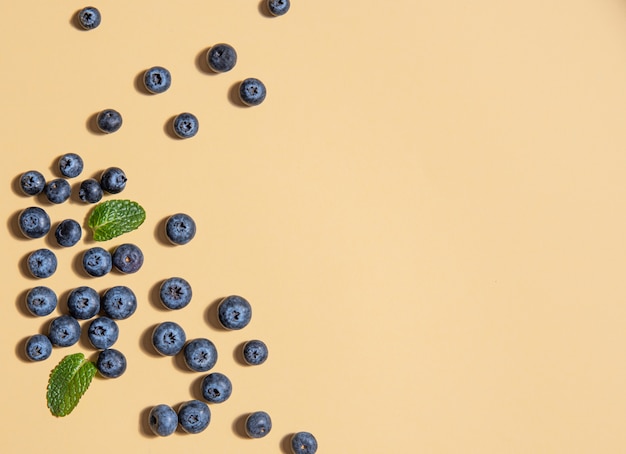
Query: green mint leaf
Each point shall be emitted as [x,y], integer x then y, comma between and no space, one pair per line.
[114,218]
[68,382]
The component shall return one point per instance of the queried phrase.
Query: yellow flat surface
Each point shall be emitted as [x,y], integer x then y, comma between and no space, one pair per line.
[427,215]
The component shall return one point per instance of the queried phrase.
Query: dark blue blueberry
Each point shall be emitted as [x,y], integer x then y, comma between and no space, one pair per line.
[90,191]
[200,355]
[57,190]
[255,352]
[103,332]
[34,222]
[68,233]
[168,338]
[163,420]
[32,182]
[127,258]
[97,261]
[258,424]
[194,416]
[42,263]
[216,388]
[70,165]
[180,228]
[185,125]
[64,331]
[175,293]
[113,180]
[41,301]
[157,79]
[109,121]
[234,312]
[119,302]
[221,57]
[303,443]
[278,7]
[38,347]
[111,363]
[252,92]
[83,303]
[89,18]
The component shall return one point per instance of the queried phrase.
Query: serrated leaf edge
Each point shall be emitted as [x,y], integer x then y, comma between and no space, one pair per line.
[105,206]
[84,362]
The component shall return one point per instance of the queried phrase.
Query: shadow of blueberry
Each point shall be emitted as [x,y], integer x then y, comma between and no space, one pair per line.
[233,96]
[168,128]
[238,354]
[285,444]
[92,125]
[144,423]
[159,233]
[195,388]
[74,21]
[145,342]
[139,85]
[263,9]
[155,297]
[211,315]
[13,226]
[201,63]
[20,304]
[20,350]
[239,426]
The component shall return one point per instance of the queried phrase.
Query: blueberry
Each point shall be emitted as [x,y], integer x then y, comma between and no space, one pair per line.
[32,182]
[89,18]
[57,190]
[119,302]
[303,443]
[185,125]
[41,301]
[83,303]
[90,191]
[278,7]
[175,293]
[38,347]
[113,180]
[109,121]
[168,338]
[252,92]
[111,363]
[234,312]
[97,261]
[103,332]
[216,388]
[194,416]
[221,57]
[68,233]
[127,258]
[255,352]
[42,263]
[64,331]
[200,355]
[157,79]
[180,228]
[34,222]
[258,424]
[163,420]
[70,165]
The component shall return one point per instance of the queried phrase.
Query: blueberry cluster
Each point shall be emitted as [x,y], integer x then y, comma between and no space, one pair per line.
[83,303]
[34,222]
[220,58]
[200,355]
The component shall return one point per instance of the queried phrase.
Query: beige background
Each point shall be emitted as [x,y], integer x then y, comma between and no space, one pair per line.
[427,215]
